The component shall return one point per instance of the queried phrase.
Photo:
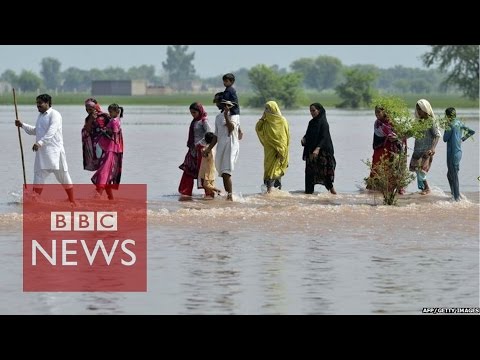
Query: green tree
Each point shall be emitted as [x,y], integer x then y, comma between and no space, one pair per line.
[97,74]
[10,77]
[319,73]
[268,84]
[29,81]
[75,79]
[420,86]
[290,89]
[265,84]
[357,89]
[462,64]
[179,67]
[306,67]
[329,70]
[401,85]
[144,72]
[403,79]
[50,71]
[115,73]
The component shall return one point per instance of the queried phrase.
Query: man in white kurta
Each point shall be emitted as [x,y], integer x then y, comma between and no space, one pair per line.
[50,154]
[227,142]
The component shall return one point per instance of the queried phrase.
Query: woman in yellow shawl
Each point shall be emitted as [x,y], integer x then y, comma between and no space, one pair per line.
[274,134]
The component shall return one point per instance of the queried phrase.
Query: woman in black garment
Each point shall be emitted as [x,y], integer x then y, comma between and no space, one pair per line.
[318,152]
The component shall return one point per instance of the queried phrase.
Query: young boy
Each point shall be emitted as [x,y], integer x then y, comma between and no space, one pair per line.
[454,136]
[207,170]
[230,94]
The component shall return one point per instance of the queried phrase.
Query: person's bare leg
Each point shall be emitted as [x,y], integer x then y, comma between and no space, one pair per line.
[209,189]
[426,188]
[227,184]
[269,184]
[109,192]
[36,193]
[99,193]
[329,186]
[70,195]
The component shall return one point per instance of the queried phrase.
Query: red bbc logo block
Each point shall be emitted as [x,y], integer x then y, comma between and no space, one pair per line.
[100,245]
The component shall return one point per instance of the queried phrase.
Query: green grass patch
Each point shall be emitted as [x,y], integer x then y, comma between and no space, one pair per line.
[329,100]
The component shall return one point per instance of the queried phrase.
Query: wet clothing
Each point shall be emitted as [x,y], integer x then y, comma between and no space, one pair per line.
[228,144]
[50,157]
[319,170]
[191,164]
[91,150]
[274,134]
[421,161]
[453,136]
[110,163]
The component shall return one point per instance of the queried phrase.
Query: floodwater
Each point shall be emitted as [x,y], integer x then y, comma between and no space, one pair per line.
[282,253]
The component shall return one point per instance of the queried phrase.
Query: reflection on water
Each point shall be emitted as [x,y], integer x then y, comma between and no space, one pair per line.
[284,254]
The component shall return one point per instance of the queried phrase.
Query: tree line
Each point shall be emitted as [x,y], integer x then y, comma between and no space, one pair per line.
[458,70]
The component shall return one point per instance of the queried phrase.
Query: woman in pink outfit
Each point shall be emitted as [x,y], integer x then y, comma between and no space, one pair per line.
[95,122]
[109,172]
[198,128]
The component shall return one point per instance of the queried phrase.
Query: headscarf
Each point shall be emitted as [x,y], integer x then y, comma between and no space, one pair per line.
[383,127]
[318,133]
[319,107]
[426,107]
[272,111]
[274,134]
[273,130]
[202,116]
[92,102]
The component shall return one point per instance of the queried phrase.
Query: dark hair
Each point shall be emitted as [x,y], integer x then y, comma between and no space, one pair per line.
[218,96]
[45,98]
[116,107]
[194,106]
[209,137]
[451,112]
[229,76]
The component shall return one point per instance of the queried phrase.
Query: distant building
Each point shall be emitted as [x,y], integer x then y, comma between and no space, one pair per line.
[119,87]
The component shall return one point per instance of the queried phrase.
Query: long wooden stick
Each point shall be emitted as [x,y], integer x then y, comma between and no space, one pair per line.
[20,140]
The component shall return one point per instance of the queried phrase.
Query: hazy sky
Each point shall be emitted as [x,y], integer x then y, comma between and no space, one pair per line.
[210,60]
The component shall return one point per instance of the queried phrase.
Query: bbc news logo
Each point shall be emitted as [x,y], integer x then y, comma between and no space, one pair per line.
[100,245]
